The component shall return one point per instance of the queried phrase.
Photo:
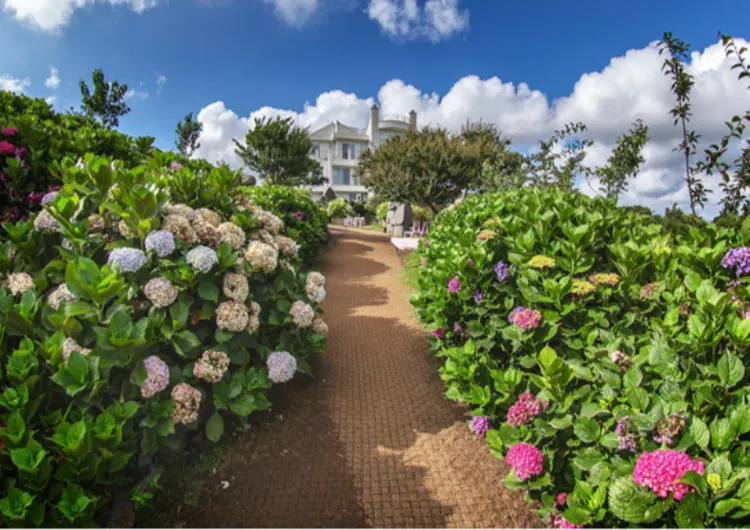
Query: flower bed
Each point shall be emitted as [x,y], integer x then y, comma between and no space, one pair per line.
[131,325]
[601,358]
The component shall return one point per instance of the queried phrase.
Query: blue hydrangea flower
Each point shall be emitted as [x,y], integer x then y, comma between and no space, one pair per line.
[161,242]
[738,259]
[127,259]
[49,198]
[202,258]
[501,269]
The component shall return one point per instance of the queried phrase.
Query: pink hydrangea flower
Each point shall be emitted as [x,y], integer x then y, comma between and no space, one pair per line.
[561,500]
[558,521]
[9,131]
[175,166]
[298,215]
[457,327]
[438,333]
[20,152]
[660,471]
[157,376]
[525,409]
[454,285]
[422,262]
[7,148]
[427,242]
[526,460]
[525,318]
[480,425]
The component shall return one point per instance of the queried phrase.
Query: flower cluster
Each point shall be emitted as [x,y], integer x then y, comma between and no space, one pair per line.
[235,287]
[281,366]
[626,439]
[454,285]
[480,425]
[714,482]
[669,428]
[287,246]
[161,242]
[661,470]
[180,228]
[232,235]
[502,271]
[160,292]
[262,256]
[582,287]
[525,318]
[202,258]
[525,409]
[187,402]
[526,460]
[601,278]
[303,314]
[44,222]
[737,259]
[253,322]
[125,230]
[157,376]
[438,333]
[486,235]
[558,521]
[212,366]
[478,296]
[270,222]
[649,290]
[59,295]
[127,259]
[621,359]
[70,345]
[19,283]
[315,287]
[541,262]
[232,316]
[319,326]
[49,198]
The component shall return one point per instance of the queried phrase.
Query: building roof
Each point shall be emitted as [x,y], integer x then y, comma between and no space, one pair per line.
[337,130]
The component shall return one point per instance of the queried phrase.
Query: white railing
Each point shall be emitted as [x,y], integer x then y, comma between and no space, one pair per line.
[394,117]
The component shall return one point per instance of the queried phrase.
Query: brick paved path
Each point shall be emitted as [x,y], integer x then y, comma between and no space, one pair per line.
[372,442]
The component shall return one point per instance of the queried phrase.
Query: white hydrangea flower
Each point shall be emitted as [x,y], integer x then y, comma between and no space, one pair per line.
[253,322]
[232,235]
[179,226]
[319,326]
[287,246]
[44,222]
[187,402]
[207,233]
[315,287]
[49,198]
[207,216]
[125,230]
[262,256]
[316,294]
[281,366]
[70,345]
[236,287]
[183,210]
[303,314]
[315,279]
[232,316]
[270,222]
[19,283]
[160,292]
[212,366]
[202,259]
[127,259]
[59,295]
[161,242]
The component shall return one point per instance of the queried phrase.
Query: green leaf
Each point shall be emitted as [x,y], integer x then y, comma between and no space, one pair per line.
[587,429]
[638,399]
[690,511]
[722,433]
[208,291]
[78,367]
[730,369]
[633,503]
[215,427]
[720,466]
[549,360]
[700,433]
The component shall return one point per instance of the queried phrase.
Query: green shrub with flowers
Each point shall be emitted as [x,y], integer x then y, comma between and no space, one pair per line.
[304,221]
[339,208]
[602,359]
[130,325]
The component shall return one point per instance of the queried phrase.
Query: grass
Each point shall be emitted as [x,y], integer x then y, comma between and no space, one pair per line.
[411,271]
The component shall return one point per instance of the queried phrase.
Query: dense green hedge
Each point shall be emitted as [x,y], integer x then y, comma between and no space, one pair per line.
[599,355]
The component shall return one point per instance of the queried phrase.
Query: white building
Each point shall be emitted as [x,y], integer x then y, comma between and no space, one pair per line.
[338,147]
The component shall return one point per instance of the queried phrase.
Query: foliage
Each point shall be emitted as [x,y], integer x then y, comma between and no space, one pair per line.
[628,340]
[41,138]
[118,343]
[421,214]
[508,171]
[624,162]
[426,167]
[558,166]
[304,221]
[682,83]
[107,102]
[188,132]
[339,208]
[382,211]
[279,152]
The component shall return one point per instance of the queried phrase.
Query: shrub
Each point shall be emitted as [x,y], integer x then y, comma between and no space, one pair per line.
[130,325]
[304,221]
[572,328]
[382,211]
[421,214]
[339,208]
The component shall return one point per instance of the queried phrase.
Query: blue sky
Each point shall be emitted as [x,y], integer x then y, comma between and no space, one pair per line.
[247,54]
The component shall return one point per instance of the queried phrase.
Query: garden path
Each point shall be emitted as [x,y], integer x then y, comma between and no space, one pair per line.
[372,442]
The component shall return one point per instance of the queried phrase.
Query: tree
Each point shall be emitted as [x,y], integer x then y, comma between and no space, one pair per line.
[682,83]
[508,170]
[188,131]
[559,166]
[491,153]
[279,152]
[624,162]
[426,167]
[107,102]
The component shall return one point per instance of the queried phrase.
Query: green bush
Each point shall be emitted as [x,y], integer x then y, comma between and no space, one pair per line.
[421,214]
[382,211]
[304,220]
[131,325]
[570,325]
[339,208]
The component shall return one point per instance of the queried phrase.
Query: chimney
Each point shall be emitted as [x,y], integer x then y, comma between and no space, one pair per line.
[413,120]
[375,126]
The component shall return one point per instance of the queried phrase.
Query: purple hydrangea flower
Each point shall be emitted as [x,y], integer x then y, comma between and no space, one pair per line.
[457,327]
[501,269]
[478,296]
[127,259]
[738,259]
[480,425]
[161,242]
[438,333]
[157,376]
[454,285]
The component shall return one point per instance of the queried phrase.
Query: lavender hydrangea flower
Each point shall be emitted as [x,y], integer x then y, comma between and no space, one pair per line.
[127,259]
[480,425]
[501,269]
[281,366]
[202,258]
[49,198]
[454,285]
[157,376]
[478,296]
[738,259]
[161,242]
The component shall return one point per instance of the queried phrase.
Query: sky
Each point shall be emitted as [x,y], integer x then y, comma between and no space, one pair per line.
[528,67]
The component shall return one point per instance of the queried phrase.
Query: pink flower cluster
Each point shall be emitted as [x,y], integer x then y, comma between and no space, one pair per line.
[558,521]
[9,131]
[526,460]
[660,471]
[298,215]
[525,409]
[454,285]
[438,333]
[7,148]
[480,425]
[525,318]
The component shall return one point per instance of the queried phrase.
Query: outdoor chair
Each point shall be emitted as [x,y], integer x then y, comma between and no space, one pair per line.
[415,230]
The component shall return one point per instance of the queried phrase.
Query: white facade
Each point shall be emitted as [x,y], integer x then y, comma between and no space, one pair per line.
[338,148]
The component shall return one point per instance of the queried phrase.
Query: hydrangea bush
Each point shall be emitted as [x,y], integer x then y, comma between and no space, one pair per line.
[131,325]
[605,362]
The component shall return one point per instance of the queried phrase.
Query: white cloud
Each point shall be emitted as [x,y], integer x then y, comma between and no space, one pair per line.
[13,84]
[294,12]
[136,94]
[51,100]
[629,87]
[53,15]
[161,80]
[53,81]
[435,20]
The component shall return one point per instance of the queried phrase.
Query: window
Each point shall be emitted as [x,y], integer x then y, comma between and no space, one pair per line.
[341,176]
[355,179]
[315,150]
[347,151]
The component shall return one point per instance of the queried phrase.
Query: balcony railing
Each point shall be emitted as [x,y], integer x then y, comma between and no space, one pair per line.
[394,117]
